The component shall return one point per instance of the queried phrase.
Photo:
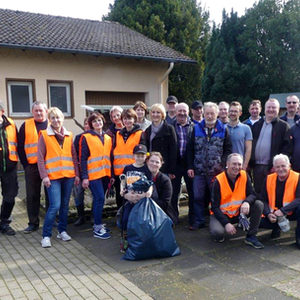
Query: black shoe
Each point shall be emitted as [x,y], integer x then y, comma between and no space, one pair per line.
[298,243]
[275,233]
[31,228]
[6,229]
[80,221]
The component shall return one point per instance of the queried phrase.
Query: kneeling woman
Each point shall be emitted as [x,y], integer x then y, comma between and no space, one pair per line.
[58,167]
[95,152]
[162,188]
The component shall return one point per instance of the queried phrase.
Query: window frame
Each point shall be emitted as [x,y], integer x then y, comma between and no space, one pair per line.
[32,96]
[69,114]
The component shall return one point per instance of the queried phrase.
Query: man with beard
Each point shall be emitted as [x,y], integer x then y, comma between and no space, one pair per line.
[207,152]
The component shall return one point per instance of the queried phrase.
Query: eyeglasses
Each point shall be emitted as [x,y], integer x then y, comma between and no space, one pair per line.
[292,102]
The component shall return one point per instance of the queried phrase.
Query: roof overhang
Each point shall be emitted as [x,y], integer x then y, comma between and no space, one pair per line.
[97,53]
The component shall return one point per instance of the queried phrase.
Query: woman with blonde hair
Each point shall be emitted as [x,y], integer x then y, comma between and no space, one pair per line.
[161,137]
[58,168]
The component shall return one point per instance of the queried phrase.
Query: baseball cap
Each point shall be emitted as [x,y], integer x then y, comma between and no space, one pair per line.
[196,104]
[140,149]
[172,99]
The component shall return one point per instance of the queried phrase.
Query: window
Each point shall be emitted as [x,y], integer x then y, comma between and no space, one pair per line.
[60,95]
[20,97]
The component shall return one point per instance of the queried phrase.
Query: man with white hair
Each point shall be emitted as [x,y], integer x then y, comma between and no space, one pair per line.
[207,149]
[291,116]
[183,128]
[271,136]
[281,196]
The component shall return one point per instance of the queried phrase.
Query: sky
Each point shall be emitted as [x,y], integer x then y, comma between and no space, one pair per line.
[95,9]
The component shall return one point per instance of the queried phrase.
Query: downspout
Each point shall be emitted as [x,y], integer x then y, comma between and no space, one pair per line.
[171,66]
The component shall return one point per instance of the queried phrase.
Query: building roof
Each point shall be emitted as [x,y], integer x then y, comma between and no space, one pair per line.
[282,97]
[33,31]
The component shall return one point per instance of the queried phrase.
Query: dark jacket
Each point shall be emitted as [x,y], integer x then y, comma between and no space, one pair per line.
[207,155]
[284,117]
[295,137]
[280,141]
[164,142]
[162,194]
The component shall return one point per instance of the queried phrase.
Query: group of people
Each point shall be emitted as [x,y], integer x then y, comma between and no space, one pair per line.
[231,169]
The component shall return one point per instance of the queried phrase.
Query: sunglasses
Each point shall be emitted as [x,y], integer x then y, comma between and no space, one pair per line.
[292,102]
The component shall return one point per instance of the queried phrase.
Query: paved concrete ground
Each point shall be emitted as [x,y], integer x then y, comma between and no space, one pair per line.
[205,269]
[90,268]
[67,270]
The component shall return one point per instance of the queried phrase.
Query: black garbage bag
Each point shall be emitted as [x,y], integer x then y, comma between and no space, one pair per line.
[149,232]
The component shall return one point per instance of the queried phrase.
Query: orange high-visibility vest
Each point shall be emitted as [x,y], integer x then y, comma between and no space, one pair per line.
[58,160]
[31,140]
[231,201]
[289,189]
[98,163]
[123,152]
[12,140]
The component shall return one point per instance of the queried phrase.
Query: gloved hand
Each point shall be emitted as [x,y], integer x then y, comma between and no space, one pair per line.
[243,222]
[110,192]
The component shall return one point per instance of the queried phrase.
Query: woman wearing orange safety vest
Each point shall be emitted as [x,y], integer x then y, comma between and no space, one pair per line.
[125,141]
[58,167]
[95,151]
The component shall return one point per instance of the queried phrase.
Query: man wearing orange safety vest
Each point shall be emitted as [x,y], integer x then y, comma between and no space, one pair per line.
[233,199]
[27,149]
[281,197]
[8,170]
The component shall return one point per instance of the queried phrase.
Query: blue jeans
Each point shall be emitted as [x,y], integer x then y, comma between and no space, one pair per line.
[97,190]
[59,194]
[201,185]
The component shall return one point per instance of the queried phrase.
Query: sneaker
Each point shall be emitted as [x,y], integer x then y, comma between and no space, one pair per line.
[31,228]
[102,234]
[46,242]
[6,229]
[275,233]
[254,242]
[106,228]
[63,236]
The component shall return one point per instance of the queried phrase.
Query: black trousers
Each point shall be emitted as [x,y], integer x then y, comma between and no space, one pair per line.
[33,194]
[217,230]
[9,186]
[180,172]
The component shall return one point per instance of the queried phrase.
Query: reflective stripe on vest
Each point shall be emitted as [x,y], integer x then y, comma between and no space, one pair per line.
[12,140]
[289,189]
[58,160]
[123,152]
[31,140]
[98,163]
[231,201]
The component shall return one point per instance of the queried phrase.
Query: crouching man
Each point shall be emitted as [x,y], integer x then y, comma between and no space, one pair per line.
[233,200]
[281,196]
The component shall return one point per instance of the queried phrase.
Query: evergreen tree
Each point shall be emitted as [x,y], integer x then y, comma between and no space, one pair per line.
[179,24]
[260,51]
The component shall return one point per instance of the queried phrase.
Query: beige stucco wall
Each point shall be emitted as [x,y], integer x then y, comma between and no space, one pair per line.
[88,73]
